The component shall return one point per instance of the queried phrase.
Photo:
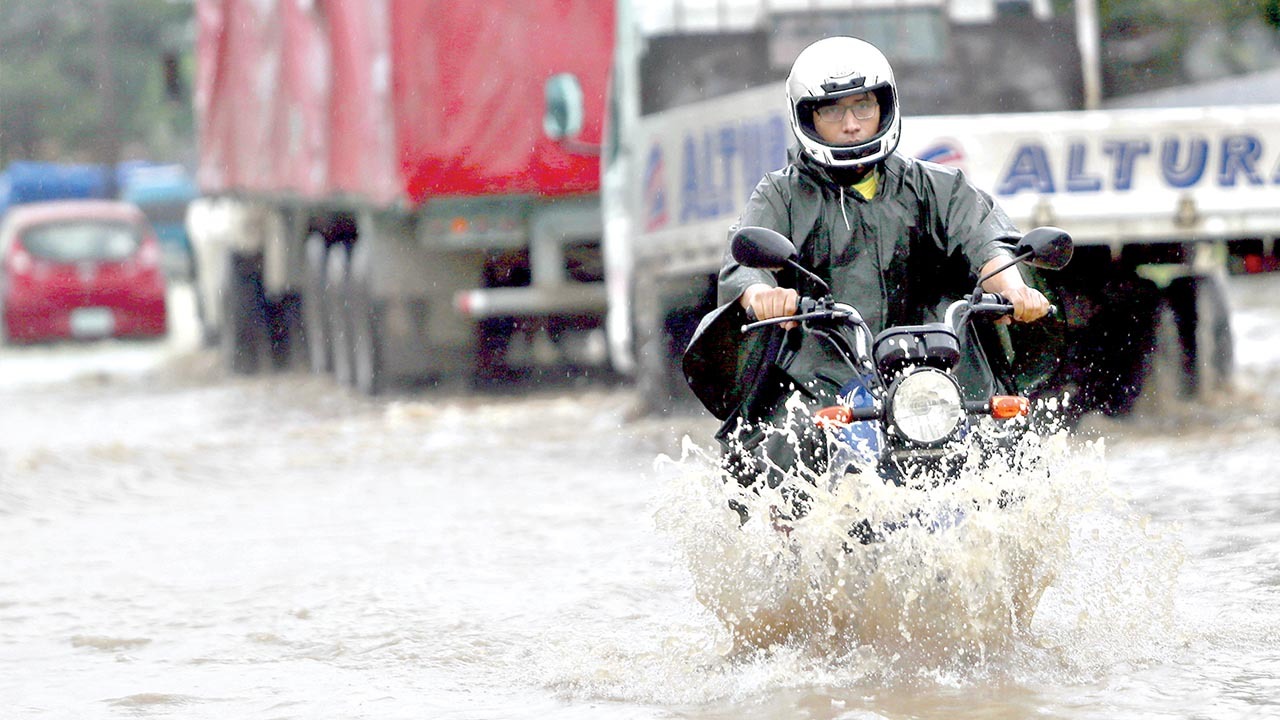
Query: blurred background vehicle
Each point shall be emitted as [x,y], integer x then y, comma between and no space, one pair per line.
[423,205]
[161,190]
[80,269]
[163,193]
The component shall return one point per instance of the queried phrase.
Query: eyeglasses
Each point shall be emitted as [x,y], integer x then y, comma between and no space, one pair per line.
[862,110]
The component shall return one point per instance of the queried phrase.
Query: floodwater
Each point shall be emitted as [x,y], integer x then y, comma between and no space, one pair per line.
[175,543]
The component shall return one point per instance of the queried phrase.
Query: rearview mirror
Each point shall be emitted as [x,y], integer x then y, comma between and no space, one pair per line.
[1046,247]
[757,247]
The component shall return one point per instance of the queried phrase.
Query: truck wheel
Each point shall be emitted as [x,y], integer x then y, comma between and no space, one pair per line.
[205,332]
[655,367]
[337,312]
[284,320]
[206,329]
[1111,345]
[662,333]
[1132,346]
[368,374]
[315,319]
[493,338]
[245,337]
[1206,349]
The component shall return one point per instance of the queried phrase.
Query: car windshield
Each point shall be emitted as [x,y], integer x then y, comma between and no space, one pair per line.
[81,240]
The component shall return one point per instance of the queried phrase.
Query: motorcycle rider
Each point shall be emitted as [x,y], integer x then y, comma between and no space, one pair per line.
[893,236]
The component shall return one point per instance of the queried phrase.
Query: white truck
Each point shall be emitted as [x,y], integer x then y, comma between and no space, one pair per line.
[1161,202]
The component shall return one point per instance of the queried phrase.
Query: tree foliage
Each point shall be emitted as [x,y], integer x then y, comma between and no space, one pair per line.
[85,81]
[1151,44]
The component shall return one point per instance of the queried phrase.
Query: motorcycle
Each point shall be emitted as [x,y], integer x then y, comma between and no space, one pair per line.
[912,398]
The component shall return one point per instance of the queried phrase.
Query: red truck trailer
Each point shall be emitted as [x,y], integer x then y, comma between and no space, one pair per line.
[398,189]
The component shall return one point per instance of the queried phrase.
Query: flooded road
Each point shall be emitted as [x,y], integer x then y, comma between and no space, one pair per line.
[175,543]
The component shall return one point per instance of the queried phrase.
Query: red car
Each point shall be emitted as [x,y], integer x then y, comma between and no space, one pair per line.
[80,269]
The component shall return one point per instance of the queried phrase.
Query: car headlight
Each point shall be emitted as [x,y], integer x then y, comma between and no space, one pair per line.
[926,406]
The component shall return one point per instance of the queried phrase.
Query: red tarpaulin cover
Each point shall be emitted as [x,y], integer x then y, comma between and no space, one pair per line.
[395,100]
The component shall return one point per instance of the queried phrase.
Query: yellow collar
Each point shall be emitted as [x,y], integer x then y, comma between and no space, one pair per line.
[867,186]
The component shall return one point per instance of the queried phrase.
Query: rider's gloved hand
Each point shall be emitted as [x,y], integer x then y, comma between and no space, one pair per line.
[1028,303]
[767,302]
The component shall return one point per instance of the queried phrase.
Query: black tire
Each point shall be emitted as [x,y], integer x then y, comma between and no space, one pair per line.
[1131,329]
[284,319]
[315,315]
[655,368]
[662,334]
[336,303]
[493,339]
[1109,345]
[368,371]
[1206,349]
[208,331]
[245,337]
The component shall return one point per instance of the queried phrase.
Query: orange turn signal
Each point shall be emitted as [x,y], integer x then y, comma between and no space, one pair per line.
[834,416]
[1004,407]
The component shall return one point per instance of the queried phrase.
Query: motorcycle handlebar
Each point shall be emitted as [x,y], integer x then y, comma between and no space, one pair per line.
[993,304]
[799,317]
[807,309]
[997,304]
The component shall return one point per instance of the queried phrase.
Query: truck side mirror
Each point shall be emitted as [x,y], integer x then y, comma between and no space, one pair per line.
[563,117]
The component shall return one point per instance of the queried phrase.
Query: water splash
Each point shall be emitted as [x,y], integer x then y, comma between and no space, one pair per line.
[1033,562]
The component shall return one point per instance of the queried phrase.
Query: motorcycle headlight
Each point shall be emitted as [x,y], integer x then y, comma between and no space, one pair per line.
[926,406]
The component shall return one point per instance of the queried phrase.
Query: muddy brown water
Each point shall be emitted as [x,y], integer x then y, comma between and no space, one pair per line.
[176,543]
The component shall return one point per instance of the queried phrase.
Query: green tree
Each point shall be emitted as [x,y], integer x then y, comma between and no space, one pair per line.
[84,80]
[1150,44]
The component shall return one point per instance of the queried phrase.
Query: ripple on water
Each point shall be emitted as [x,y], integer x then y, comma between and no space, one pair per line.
[108,644]
[145,701]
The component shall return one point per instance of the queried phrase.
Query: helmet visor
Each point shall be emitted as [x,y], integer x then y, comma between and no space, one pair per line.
[808,107]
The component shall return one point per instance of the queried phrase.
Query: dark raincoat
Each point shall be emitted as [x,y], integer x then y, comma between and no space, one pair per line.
[897,257]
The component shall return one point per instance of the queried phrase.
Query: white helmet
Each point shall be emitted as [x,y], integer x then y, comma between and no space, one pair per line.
[833,68]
